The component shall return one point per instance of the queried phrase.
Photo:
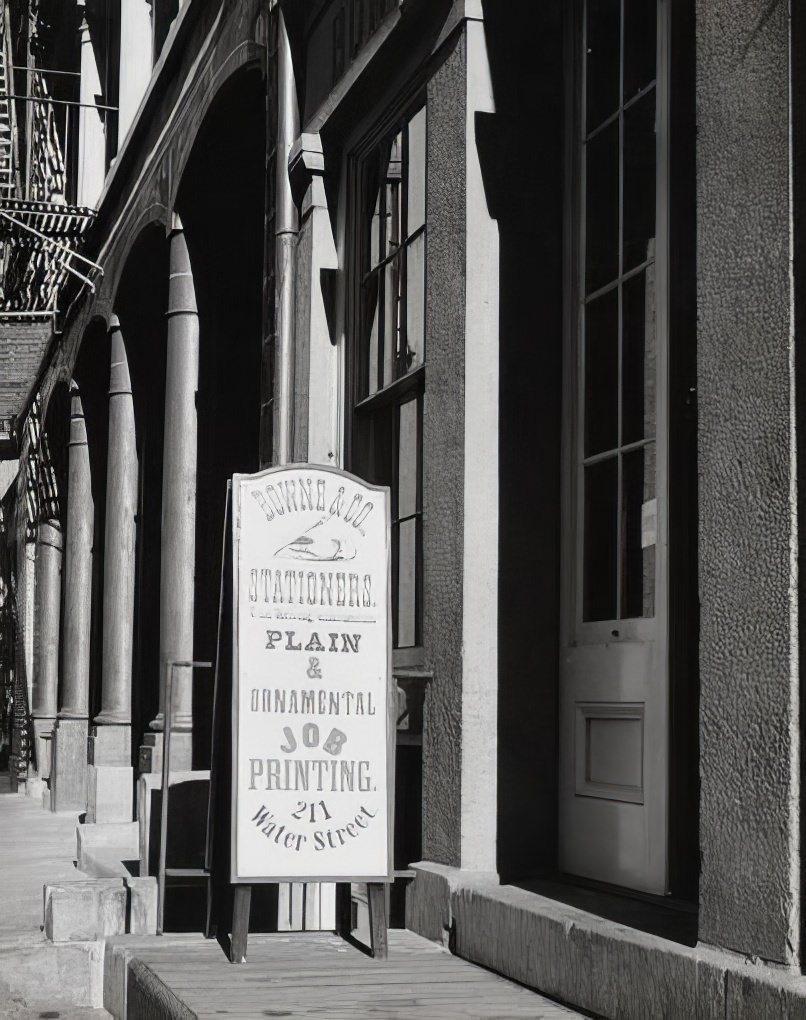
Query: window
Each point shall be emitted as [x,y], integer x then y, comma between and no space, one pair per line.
[618,293]
[389,351]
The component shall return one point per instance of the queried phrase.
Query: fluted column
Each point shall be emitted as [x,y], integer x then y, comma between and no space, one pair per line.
[179,497]
[135,61]
[69,773]
[46,639]
[121,507]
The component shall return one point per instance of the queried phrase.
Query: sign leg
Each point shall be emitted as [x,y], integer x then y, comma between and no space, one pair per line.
[378,920]
[240,923]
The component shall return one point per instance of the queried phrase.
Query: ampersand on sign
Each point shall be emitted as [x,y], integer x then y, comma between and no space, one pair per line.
[314,669]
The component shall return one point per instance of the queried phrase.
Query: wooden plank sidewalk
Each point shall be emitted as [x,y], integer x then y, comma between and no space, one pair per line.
[319,975]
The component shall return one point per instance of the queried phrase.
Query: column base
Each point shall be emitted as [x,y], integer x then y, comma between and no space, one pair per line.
[43,733]
[110,793]
[150,756]
[68,779]
[110,745]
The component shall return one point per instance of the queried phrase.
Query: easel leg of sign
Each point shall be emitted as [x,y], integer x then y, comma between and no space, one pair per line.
[242,900]
[378,920]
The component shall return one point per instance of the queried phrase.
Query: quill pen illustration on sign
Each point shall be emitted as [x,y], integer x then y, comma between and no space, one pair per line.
[327,540]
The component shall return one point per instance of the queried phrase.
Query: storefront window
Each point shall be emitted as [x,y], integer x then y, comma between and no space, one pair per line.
[389,352]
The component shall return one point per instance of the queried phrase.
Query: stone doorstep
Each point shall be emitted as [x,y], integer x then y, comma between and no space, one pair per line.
[589,962]
[93,908]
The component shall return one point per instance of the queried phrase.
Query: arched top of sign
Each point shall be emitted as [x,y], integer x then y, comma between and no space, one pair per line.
[313,711]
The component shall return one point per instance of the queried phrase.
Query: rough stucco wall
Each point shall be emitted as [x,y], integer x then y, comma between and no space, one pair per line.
[302,346]
[443,468]
[748,722]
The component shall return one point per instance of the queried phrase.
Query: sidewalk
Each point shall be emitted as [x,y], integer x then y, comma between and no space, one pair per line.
[189,977]
[37,977]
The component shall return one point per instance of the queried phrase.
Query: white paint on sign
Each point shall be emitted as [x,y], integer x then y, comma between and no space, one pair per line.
[313,727]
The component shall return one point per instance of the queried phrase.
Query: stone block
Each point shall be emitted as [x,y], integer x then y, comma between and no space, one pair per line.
[110,793]
[150,753]
[67,974]
[142,905]
[110,745]
[85,910]
[68,780]
[103,839]
[116,962]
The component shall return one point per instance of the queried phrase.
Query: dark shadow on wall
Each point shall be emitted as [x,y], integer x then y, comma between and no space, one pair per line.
[140,304]
[221,203]
[91,374]
[521,148]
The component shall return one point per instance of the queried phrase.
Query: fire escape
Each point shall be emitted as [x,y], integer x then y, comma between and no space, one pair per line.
[42,270]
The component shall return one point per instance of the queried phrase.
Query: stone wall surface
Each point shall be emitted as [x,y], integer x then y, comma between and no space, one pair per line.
[748,656]
[443,468]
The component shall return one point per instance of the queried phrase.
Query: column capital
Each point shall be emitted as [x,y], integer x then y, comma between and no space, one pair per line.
[181,290]
[306,162]
[78,426]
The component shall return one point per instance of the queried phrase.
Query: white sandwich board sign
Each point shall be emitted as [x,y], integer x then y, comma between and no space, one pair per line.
[313,711]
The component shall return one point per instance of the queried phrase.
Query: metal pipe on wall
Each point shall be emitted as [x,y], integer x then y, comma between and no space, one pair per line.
[286,229]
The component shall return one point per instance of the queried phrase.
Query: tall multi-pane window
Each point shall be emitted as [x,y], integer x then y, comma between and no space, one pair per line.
[618,295]
[389,351]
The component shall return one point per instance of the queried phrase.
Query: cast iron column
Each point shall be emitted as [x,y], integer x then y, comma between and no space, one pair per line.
[77,569]
[119,543]
[46,639]
[179,498]
[69,774]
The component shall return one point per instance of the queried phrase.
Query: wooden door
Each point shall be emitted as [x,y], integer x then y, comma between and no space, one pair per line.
[614,712]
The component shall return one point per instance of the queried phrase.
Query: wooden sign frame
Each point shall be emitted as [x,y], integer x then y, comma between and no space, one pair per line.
[335,481]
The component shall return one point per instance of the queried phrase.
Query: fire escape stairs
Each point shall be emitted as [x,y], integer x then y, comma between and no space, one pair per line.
[7,186]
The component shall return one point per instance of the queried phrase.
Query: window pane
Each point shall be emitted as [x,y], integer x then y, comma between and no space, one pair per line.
[393,175]
[415,303]
[603,25]
[416,172]
[390,319]
[371,310]
[638,357]
[640,532]
[601,208]
[407,460]
[601,541]
[376,237]
[639,181]
[406,590]
[639,45]
[601,373]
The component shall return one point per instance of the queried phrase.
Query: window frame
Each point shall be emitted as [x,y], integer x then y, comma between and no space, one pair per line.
[574,628]
[361,406]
